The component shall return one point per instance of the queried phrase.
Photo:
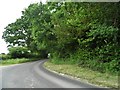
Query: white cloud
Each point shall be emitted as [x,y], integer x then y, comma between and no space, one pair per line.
[10,10]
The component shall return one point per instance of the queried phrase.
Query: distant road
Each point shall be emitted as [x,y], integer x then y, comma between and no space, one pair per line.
[33,75]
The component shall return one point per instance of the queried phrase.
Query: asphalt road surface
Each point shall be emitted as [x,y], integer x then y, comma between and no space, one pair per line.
[34,75]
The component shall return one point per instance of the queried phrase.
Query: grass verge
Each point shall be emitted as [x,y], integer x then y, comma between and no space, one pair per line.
[94,77]
[16,61]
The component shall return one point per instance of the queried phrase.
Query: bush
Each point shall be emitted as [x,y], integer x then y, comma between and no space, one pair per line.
[96,61]
[19,52]
[92,59]
[4,56]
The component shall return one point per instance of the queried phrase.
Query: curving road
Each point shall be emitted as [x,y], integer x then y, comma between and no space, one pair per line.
[34,75]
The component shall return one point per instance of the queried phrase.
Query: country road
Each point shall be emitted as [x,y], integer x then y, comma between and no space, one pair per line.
[34,75]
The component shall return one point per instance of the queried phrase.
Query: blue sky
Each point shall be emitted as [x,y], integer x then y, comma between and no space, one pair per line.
[10,10]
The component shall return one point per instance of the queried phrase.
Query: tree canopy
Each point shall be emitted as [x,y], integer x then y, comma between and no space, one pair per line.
[88,31]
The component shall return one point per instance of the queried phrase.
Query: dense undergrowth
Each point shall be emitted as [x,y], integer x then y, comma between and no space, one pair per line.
[90,60]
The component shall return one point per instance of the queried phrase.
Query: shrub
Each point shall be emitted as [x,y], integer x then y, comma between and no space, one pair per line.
[19,52]
[4,56]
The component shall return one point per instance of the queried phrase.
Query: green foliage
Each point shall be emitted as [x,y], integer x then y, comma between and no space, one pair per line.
[101,35]
[17,61]
[4,56]
[86,34]
[19,52]
[93,60]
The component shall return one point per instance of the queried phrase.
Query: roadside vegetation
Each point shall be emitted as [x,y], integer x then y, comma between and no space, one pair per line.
[85,74]
[82,34]
[17,55]
[16,61]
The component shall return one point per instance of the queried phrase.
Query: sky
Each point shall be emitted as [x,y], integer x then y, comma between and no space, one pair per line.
[10,10]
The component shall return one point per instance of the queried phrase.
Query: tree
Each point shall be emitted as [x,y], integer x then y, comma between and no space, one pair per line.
[66,28]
